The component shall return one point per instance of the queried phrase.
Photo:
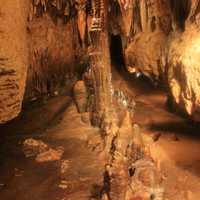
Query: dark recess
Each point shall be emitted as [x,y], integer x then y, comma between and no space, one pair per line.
[180,10]
[116,52]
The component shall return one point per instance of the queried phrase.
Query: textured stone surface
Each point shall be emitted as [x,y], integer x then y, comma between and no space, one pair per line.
[51,55]
[145,53]
[170,52]
[151,25]
[80,96]
[184,71]
[13,57]
[159,37]
[183,68]
[39,50]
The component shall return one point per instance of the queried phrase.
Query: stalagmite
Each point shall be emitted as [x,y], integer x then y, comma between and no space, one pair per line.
[127,14]
[143,14]
[82,20]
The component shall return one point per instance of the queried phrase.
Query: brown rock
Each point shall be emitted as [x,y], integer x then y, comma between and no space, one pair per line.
[174,137]
[32,147]
[42,152]
[156,137]
[50,155]
[85,117]
[125,135]
[13,57]
[183,72]
[80,96]
[64,166]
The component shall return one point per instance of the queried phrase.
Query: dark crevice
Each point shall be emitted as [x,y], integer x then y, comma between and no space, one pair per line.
[180,10]
[116,52]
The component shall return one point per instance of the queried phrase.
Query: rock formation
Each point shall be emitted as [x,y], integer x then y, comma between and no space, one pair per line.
[166,49]
[48,45]
[183,64]
[37,53]
[52,45]
[13,57]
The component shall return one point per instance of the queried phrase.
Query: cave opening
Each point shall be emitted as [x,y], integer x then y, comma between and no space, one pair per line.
[137,79]
[116,52]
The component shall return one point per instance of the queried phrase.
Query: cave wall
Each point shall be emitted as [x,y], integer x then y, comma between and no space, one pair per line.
[150,28]
[165,48]
[183,63]
[51,56]
[42,44]
[40,52]
[54,48]
[13,56]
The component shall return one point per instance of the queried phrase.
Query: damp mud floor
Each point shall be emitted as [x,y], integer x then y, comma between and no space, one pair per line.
[174,144]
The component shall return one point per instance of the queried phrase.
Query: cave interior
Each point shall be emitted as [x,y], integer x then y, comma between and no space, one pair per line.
[100,99]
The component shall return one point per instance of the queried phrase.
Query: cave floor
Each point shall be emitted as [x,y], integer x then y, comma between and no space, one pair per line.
[23,178]
[176,149]
[57,123]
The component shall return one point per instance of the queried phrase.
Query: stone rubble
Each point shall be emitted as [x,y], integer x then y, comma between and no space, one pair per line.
[63,184]
[32,147]
[64,166]
[18,172]
[41,151]
[50,155]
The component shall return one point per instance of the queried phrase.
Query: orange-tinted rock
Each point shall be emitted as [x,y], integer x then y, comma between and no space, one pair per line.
[81,96]
[13,57]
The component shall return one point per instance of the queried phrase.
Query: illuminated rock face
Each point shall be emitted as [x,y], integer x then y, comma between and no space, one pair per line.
[170,54]
[13,57]
[151,26]
[184,71]
[145,53]
[183,63]
[36,54]
[160,39]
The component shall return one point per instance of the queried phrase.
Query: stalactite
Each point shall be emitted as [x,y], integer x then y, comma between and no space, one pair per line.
[82,19]
[143,15]
[63,7]
[126,7]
